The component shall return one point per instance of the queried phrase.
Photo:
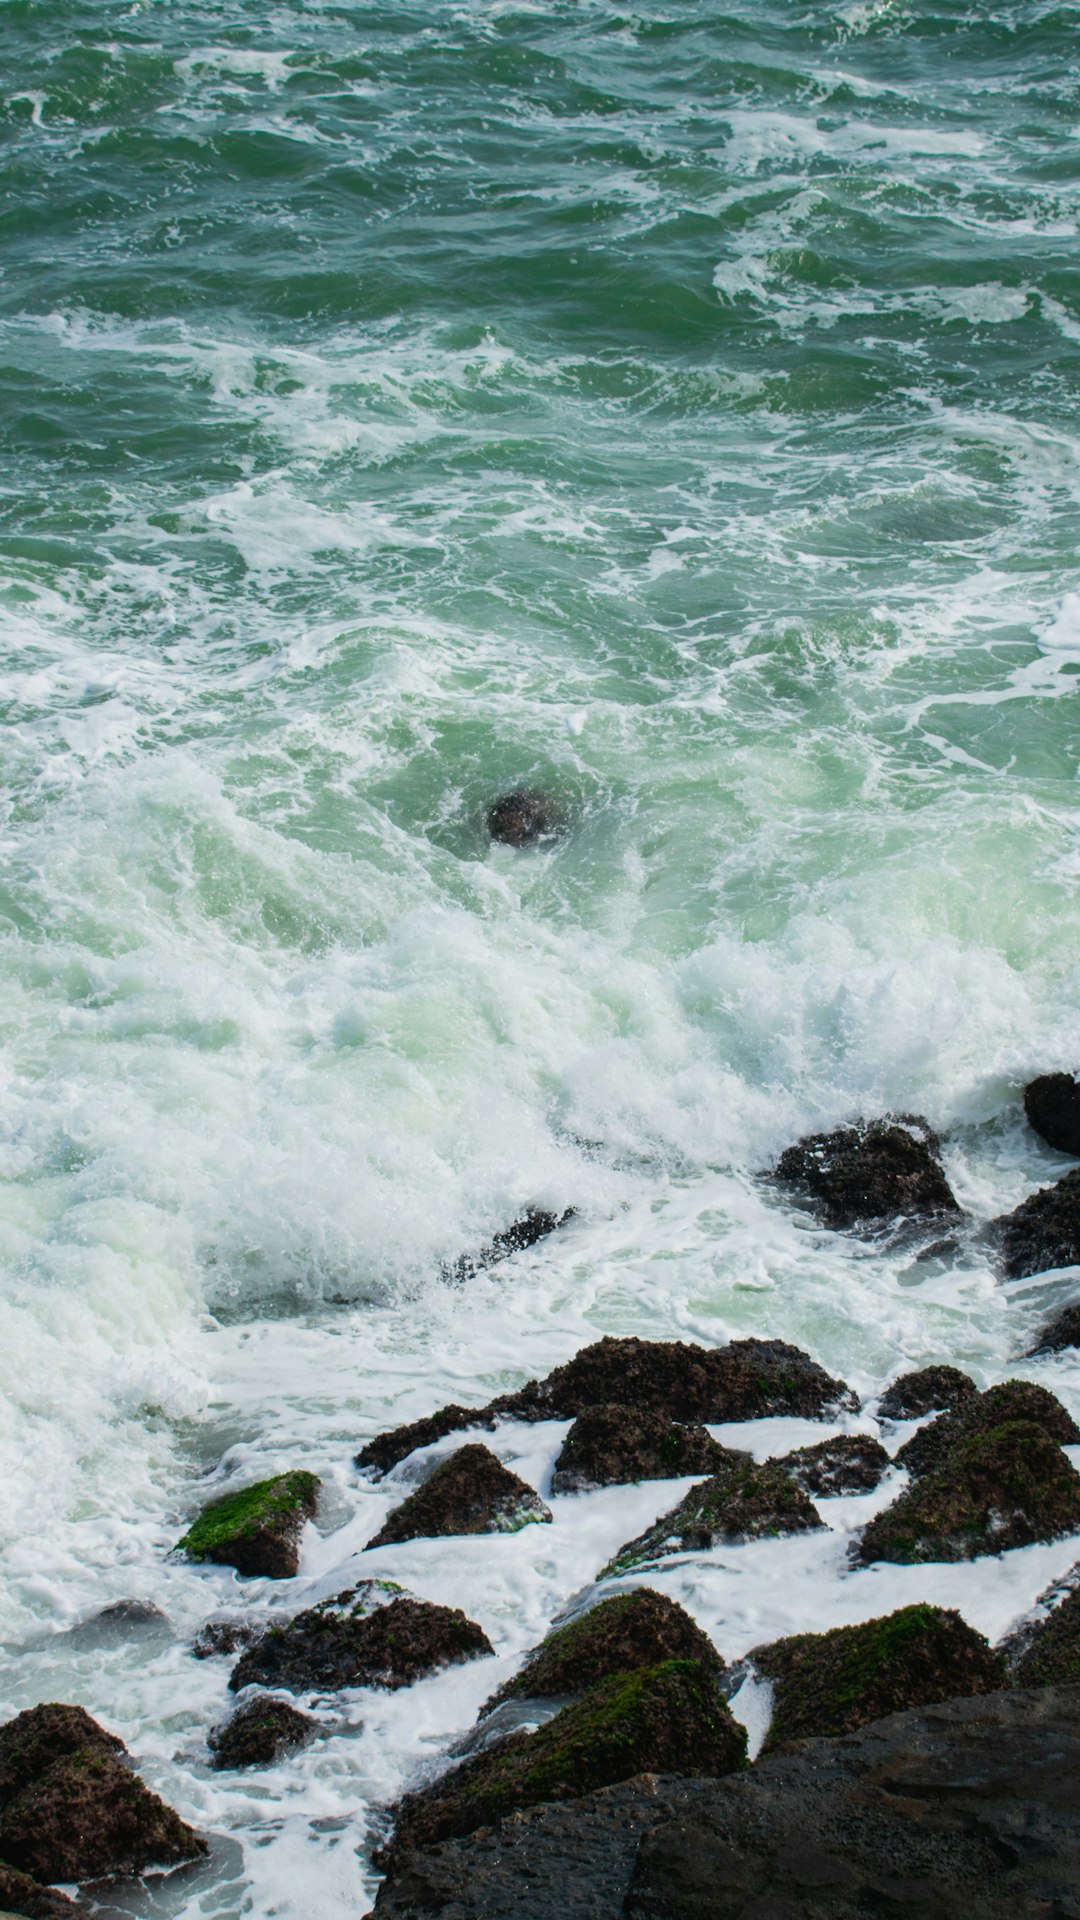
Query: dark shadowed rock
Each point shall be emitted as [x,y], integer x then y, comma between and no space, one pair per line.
[1005,1486]
[347,1643]
[832,1683]
[520,818]
[25,1897]
[849,1463]
[930,1390]
[70,1809]
[1011,1400]
[260,1732]
[116,1625]
[257,1530]
[221,1638]
[1059,1334]
[535,1224]
[1052,1105]
[871,1174]
[1046,1652]
[386,1449]
[668,1718]
[747,1502]
[471,1492]
[1042,1232]
[608,1446]
[638,1629]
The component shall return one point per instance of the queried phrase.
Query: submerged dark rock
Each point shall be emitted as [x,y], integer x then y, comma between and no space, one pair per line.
[1059,1334]
[746,1502]
[220,1639]
[848,1463]
[871,1174]
[526,815]
[1010,1400]
[637,1629]
[124,1620]
[70,1809]
[610,1445]
[832,1683]
[535,1224]
[471,1492]
[1042,1232]
[260,1732]
[348,1643]
[21,1895]
[930,1390]
[1005,1486]
[1052,1105]
[258,1529]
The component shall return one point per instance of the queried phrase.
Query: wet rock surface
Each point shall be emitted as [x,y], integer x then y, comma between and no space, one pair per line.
[1051,1652]
[871,1174]
[747,1502]
[220,1639]
[256,1530]
[70,1809]
[1005,1486]
[524,816]
[1052,1105]
[31,1901]
[349,1643]
[1042,1232]
[931,1447]
[930,1390]
[638,1629]
[833,1683]
[1060,1333]
[849,1463]
[471,1492]
[611,1445]
[970,1808]
[261,1731]
[535,1224]
[667,1718]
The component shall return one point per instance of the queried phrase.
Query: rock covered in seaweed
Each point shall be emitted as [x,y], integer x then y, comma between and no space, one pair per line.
[21,1895]
[1059,1334]
[848,1463]
[999,1487]
[832,1683]
[356,1641]
[611,1445]
[261,1731]
[929,1390]
[470,1492]
[256,1530]
[1009,1400]
[524,816]
[871,1174]
[637,1629]
[747,1502]
[1046,1651]
[1042,1232]
[1052,1105]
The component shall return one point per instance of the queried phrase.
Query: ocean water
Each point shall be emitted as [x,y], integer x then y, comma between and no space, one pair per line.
[673,407]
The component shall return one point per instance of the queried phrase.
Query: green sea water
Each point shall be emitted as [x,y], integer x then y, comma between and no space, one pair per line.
[670,407]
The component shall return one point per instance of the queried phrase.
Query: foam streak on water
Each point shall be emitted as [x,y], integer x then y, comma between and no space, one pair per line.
[674,408]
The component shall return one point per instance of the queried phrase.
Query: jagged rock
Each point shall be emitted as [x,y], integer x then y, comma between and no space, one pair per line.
[745,1503]
[930,1390]
[871,1174]
[260,1732]
[258,1529]
[832,1683]
[71,1810]
[1052,1105]
[1050,1653]
[848,1463]
[471,1492]
[746,1380]
[1042,1232]
[1002,1487]
[1059,1334]
[224,1637]
[638,1629]
[608,1446]
[349,1643]
[668,1718]
[1011,1400]
[526,815]
[24,1897]
[535,1224]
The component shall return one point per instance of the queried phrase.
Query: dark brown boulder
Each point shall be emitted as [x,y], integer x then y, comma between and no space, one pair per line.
[25,1897]
[344,1643]
[1052,1105]
[848,1463]
[1051,1652]
[33,1742]
[1005,1486]
[609,1446]
[471,1492]
[1042,1232]
[871,1175]
[526,815]
[930,1390]
[832,1683]
[386,1449]
[257,1530]
[259,1732]
[221,1638]
[745,1503]
[1010,1400]
[637,1629]
[1059,1334]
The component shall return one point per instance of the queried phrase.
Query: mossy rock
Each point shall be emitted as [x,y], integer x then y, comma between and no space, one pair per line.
[86,1815]
[23,1897]
[260,1732]
[471,1492]
[33,1742]
[746,1503]
[870,1175]
[1011,1400]
[832,1683]
[1006,1487]
[1052,1654]
[350,1645]
[848,1463]
[1043,1232]
[668,1718]
[611,1445]
[929,1390]
[258,1529]
[630,1630]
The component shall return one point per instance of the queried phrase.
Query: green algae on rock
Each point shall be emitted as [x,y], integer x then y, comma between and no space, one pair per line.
[1010,1400]
[832,1683]
[746,1503]
[1052,1654]
[471,1492]
[848,1463]
[667,1718]
[259,1732]
[347,1643]
[256,1530]
[1007,1486]
[637,1629]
